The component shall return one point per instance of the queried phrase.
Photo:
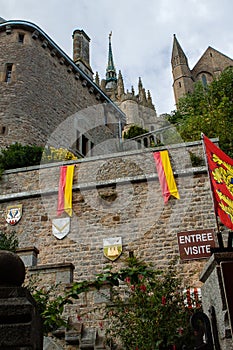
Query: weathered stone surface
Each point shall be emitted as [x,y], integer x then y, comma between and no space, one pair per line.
[113,196]
[20,324]
[116,195]
[213,296]
[12,269]
[38,100]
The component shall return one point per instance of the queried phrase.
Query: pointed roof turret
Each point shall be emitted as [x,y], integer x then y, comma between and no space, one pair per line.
[178,55]
[149,99]
[110,70]
[97,79]
[120,85]
[140,84]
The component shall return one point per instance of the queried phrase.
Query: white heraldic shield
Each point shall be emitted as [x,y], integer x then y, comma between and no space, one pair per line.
[61,227]
[14,214]
[112,248]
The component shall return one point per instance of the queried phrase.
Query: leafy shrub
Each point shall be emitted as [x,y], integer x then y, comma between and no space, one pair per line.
[17,156]
[8,241]
[50,303]
[149,312]
[134,131]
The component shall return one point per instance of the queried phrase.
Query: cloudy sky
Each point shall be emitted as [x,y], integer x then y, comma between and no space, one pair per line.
[142,34]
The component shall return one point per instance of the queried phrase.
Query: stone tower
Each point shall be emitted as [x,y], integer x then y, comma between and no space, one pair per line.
[210,65]
[138,108]
[182,77]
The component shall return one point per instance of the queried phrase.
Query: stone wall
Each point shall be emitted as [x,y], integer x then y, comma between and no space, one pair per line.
[114,195]
[43,92]
[216,298]
[117,196]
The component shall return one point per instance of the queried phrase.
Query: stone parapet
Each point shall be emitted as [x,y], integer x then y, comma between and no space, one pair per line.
[214,299]
[52,274]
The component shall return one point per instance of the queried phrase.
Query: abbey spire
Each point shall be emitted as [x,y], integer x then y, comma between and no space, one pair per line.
[137,106]
[111,76]
[178,55]
[182,77]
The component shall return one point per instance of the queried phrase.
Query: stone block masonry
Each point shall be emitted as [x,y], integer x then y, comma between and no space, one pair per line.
[113,196]
[45,89]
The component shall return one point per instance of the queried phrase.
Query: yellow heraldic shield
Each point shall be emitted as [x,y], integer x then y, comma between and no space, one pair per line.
[60,227]
[112,247]
[14,213]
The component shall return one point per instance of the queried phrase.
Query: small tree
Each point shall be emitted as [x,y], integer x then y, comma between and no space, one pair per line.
[208,110]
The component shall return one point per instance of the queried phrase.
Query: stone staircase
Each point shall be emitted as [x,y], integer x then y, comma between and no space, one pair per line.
[77,336]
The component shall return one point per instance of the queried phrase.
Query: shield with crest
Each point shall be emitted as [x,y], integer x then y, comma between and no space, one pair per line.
[61,227]
[14,213]
[112,247]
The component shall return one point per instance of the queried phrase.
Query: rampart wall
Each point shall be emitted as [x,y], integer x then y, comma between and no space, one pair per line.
[113,196]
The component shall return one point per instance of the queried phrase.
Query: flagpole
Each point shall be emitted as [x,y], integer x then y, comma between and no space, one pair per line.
[219,234]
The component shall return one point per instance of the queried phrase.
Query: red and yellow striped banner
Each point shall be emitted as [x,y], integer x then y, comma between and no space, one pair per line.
[65,190]
[165,174]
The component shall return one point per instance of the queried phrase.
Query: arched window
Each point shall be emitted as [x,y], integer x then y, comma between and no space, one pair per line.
[204,80]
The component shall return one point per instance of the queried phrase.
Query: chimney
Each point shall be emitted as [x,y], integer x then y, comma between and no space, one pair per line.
[81,51]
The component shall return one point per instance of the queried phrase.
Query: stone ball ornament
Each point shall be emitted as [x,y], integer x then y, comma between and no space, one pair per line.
[12,269]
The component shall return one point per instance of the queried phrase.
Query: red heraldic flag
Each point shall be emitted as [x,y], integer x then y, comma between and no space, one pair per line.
[166,177]
[221,177]
[65,190]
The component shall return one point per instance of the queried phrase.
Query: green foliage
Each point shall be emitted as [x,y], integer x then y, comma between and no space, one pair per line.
[146,309]
[50,303]
[208,110]
[196,160]
[149,313]
[17,156]
[134,131]
[8,241]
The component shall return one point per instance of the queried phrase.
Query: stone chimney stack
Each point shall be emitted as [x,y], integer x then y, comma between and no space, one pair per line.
[81,50]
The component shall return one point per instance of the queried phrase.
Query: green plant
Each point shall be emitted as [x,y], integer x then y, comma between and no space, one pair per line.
[17,155]
[208,110]
[145,311]
[196,160]
[50,303]
[148,312]
[134,131]
[8,241]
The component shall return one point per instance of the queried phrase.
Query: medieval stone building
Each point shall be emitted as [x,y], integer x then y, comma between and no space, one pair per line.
[209,66]
[47,98]
[43,92]
[138,107]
